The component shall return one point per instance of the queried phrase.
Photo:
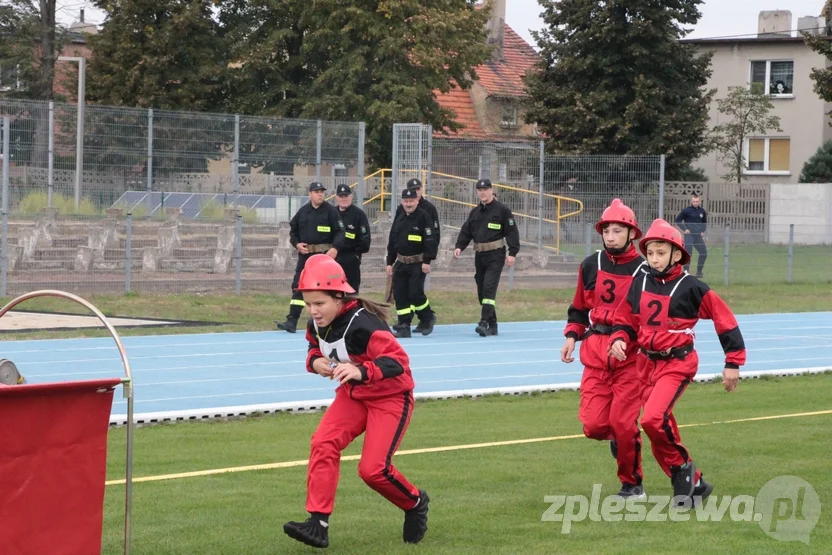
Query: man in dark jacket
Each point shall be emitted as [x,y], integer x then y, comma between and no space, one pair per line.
[356,236]
[692,221]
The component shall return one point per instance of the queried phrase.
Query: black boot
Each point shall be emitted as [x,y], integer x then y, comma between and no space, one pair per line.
[425,326]
[313,532]
[290,325]
[701,490]
[401,330]
[486,329]
[416,520]
[682,480]
[632,490]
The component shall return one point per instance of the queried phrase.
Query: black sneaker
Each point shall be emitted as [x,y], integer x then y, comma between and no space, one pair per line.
[425,327]
[701,490]
[401,330]
[614,449]
[313,532]
[683,484]
[289,325]
[416,520]
[631,490]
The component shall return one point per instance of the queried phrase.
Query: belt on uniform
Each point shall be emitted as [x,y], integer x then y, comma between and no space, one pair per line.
[492,246]
[600,328]
[674,352]
[319,248]
[409,259]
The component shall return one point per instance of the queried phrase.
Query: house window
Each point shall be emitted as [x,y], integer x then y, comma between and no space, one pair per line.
[768,155]
[775,78]
[509,115]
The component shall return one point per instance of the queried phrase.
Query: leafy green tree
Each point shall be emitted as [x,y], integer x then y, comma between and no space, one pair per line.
[818,168]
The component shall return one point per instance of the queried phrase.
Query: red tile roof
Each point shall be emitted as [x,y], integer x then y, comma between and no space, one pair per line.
[460,102]
[506,77]
[503,78]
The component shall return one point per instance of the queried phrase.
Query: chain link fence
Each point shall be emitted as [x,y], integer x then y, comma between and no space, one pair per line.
[199,232]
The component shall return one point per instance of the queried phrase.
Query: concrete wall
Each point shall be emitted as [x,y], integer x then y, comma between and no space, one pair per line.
[802,117]
[808,206]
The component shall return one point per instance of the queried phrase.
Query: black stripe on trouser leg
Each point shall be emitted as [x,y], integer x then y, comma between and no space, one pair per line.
[668,430]
[296,305]
[638,477]
[396,436]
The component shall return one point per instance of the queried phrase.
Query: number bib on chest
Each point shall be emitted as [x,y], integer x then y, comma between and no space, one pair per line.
[611,289]
[654,309]
[336,351]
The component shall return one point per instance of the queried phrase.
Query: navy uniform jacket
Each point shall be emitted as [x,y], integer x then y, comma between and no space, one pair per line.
[693,219]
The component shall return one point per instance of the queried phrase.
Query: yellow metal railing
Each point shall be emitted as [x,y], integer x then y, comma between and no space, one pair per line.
[559,216]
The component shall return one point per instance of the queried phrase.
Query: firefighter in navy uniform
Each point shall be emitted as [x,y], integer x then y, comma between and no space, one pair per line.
[410,249]
[487,225]
[316,228]
[425,205]
[356,236]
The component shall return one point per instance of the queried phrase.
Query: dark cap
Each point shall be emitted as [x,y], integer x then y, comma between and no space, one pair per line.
[343,191]
[409,193]
[414,184]
[484,184]
[316,186]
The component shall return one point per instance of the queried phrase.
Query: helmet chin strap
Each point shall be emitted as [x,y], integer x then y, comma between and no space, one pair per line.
[619,251]
[660,274]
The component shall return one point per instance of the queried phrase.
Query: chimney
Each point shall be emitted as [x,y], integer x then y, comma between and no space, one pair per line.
[812,25]
[776,23]
[496,26]
[82,15]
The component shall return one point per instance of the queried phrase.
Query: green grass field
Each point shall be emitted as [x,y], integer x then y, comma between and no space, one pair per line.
[483,500]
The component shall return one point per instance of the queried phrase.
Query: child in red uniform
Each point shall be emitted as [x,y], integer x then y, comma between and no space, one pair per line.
[658,316]
[610,390]
[349,341]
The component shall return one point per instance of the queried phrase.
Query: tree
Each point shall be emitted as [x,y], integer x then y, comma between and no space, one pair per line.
[818,168]
[163,54]
[30,41]
[353,60]
[748,111]
[614,79]
[821,76]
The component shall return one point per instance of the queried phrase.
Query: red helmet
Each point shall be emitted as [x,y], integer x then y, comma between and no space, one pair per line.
[322,273]
[618,213]
[660,230]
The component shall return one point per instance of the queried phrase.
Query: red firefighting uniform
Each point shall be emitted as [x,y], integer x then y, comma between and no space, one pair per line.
[659,315]
[610,390]
[380,406]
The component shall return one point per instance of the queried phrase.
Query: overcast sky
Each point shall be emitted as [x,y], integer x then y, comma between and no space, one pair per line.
[719,17]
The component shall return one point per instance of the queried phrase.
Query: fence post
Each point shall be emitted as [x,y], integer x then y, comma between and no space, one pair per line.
[238,262]
[5,206]
[51,176]
[588,233]
[318,142]
[128,250]
[362,186]
[430,160]
[661,187]
[149,161]
[791,253]
[540,201]
[726,256]
[235,169]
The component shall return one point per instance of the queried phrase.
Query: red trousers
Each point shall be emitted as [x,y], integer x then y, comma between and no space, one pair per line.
[664,383]
[610,404]
[384,422]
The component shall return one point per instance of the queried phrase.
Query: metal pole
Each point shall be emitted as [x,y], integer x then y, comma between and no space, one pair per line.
[661,188]
[319,140]
[511,278]
[149,161]
[430,159]
[5,205]
[362,186]
[791,253]
[589,229]
[394,181]
[235,169]
[238,262]
[540,201]
[128,249]
[79,146]
[727,262]
[51,175]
